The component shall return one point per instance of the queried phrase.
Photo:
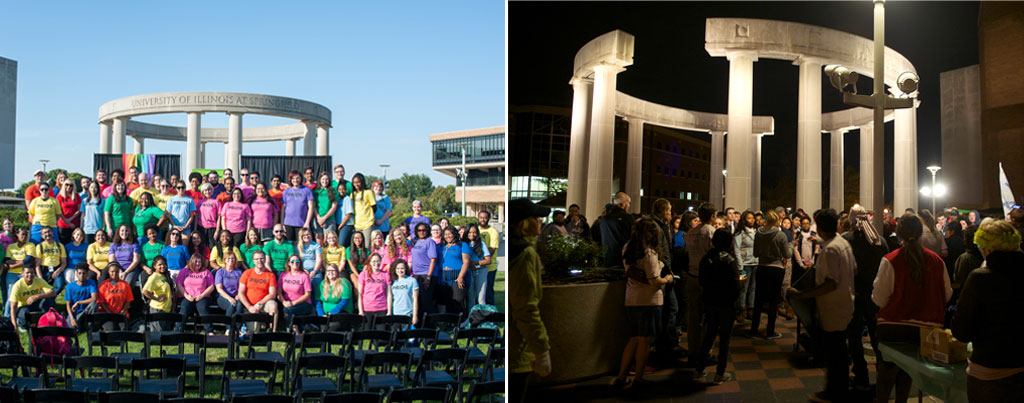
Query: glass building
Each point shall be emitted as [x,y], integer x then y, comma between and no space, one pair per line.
[484,151]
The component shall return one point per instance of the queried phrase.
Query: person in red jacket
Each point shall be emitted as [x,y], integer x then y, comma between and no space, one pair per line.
[911,289]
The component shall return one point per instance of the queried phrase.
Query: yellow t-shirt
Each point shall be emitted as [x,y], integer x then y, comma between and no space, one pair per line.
[22,291]
[216,257]
[44,212]
[98,254]
[490,237]
[158,285]
[19,253]
[161,200]
[50,254]
[334,254]
[139,191]
[364,202]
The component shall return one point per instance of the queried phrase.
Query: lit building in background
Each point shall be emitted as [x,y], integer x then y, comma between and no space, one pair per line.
[485,164]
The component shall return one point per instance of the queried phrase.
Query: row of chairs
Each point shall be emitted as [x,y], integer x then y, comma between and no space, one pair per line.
[478,391]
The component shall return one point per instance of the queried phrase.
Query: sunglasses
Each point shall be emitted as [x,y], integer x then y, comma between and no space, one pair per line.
[180,187]
[294,261]
[421,230]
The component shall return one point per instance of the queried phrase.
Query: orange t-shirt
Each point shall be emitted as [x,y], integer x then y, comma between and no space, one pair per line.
[257,286]
[113,298]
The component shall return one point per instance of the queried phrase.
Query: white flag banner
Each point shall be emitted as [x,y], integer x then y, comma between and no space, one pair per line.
[1005,192]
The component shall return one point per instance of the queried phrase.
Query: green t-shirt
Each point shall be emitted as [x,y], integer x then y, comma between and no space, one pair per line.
[142,218]
[323,200]
[348,186]
[120,213]
[278,254]
[247,252]
[324,295]
[151,251]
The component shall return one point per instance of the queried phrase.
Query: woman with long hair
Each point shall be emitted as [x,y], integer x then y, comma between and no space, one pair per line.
[208,209]
[312,255]
[358,253]
[296,289]
[931,237]
[643,297]
[326,200]
[148,214]
[451,290]
[364,203]
[226,282]
[396,248]
[253,243]
[404,291]
[225,247]
[477,257]
[195,286]
[443,223]
[70,209]
[118,208]
[772,251]
[149,248]
[911,290]
[374,290]
[336,254]
[92,211]
[334,295]
[378,246]
[744,252]
[265,213]
[424,264]
[236,216]
[720,280]
[345,216]
[8,235]
[196,245]
[125,251]
[175,252]
[97,256]
[297,206]
[78,251]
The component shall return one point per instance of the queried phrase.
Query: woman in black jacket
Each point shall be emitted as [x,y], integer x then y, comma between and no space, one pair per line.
[719,278]
[985,315]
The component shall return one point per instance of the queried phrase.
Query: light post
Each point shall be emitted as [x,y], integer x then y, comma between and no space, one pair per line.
[936,190]
[723,187]
[463,174]
[44,164]
[384,178]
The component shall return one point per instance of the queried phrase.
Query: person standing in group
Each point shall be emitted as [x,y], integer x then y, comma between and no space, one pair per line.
[334,295]
[868,250]
[744,252]
[195,285]
[117,176]
[995,370]
[7,234]
[345,217]
[97,256]
[528,338]
[159,292]
[576,223]
[932,238]
[277,251]
[492,239]
[970,260]
[450,292]
[806,250]
[257,289]
[19,256]
[424,260]
[33,191]
[771,251]
[404,291]
[44,212]
[436,234]
[443,223]
[236,217]
[144,187]
[477,256]
[720,280]
[310,178]
[379,247]
[147,214]
[265,213]
[276,191]
[70,203]
[416,218]
[358,254]
[165,195]
[125,251]
[182,211]
[214,180]
[615,229]
[208,209]
[698,243]
[666,342]
[339,179]
[78,252]
[364,203]
[334,253]
[833,295]
[911,290]
[326,207]
[196,246]
[175,252]
[296,290]
[251,245]
[374,286]
[382,211]
[148,250]
[312,255]
[194,180]
[118,208]
[298,206]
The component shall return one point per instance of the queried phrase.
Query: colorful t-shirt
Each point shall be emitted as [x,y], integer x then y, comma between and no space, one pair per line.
[491,237]
[50,253]
[257,286]
[218,256]
[137,192]
[209,210]
[400,253]
[345,208]
[294,285]
[401,295]
[375,290]
[228,279]
[158,285]
[21,290]
[194,283]
[120,212]
[76,253]
[383,205]
[309,253]
[451,262]
[44,212]
[363,203]
[76,292]
[143,217]
[123,253]
[422,252]
[236,216]
[247,252]
[325,294]
[323,200]
[177,257]
[19,253]
[68,207]
[278,254]
[92,215]
[161,200]
[150,251]
[412,222]
[468,249]
[263,211]
[334,254]
[98,254]
[296,205]
[32,192]
[114,297]
[180,209]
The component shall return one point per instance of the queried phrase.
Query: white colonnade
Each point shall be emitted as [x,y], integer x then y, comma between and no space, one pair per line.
[741,98]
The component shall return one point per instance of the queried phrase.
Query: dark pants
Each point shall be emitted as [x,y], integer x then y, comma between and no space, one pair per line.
[237,238]
[667,338]
[837,364]
[490,286]
[303,309]
[65,235]
[55,279]
[345,235]
[426,295]
[447,298]
[208,235]
[517,386]
[767,297]
[292,233]
[230,310]
[889,374]
[1008,389]
[718,320]
[188,308]
[42,305]
[863,315]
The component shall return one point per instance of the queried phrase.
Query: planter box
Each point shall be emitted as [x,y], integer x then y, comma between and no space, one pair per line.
[585,329]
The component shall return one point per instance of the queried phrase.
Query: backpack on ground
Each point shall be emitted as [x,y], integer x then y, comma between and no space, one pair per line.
[479,316]
[52,346]
[8,347]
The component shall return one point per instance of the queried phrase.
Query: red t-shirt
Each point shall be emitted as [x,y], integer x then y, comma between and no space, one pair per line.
[113,298]
[132,186]
[257,286]
[68,207]
[33,192]
[195,195]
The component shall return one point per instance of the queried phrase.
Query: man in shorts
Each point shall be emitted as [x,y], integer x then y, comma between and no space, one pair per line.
[257,288]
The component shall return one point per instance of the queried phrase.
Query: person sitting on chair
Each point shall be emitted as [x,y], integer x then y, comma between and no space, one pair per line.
[29,295]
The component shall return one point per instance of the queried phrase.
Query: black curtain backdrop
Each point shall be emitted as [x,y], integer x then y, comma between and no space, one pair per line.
[270,165]
[165,164]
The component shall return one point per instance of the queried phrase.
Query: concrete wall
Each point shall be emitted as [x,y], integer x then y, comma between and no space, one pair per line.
[961,137]
[1001,56]
[8,111]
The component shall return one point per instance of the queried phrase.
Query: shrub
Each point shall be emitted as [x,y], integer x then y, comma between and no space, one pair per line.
[566,252]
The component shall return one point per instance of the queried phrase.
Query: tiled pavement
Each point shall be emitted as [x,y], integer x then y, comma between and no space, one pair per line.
[765,370]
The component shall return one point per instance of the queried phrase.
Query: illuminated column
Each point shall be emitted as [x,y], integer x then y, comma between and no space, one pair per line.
[140,145]
[309,140]
[808,146]
[105,134]
[119,133]
[634,162]
[717,161]
[233,149]
[755,172]
[289,147]
[579,143]
[837,188]
[602,140]
[322,140]
[741,95]
[867,167]
[193,152]
[905,160]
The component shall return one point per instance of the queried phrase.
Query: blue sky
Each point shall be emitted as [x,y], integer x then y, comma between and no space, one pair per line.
[392,73]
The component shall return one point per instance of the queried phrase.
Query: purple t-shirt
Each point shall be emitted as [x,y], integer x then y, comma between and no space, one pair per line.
[296,202]
[208,210]
[194,283]
[122,253]
[263,213]
[294,285]
[229,280]
[422,252]
[412,222]
[235,216]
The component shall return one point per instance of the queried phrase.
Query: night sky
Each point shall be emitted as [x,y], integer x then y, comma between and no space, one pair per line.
[671,67]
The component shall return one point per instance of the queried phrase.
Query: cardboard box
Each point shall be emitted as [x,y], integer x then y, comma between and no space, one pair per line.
[939,345]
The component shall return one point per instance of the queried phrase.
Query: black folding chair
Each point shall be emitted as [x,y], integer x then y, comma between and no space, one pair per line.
[120,339]
[354,397]
[223,340]
[166,384]
[324,342]
[95,323]
[306,385]
[13,340]
[392,322]
[345,322]
[362,342]
[195,360]
[240,378]
[445,323]
[166,322]
[36,379]
[414,341]
[390,370]
[55,396]
[128,397]
[474,338]
[479,390]
[419,394]
[494,367]
[253,321]
[261,399]
[107,382]
[441,367]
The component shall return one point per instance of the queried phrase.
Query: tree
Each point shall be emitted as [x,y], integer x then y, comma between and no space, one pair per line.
[51,178]
[411,186]
[442,200]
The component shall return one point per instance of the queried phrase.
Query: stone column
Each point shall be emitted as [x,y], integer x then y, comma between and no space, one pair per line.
[905,160]
[193,154]
[202,156]
[289,148]
[602,140]
[309,140]
[837,187]
[867,167]
[741,98]
[634,162]
[808,156]
[140,145]
[105,134]
[579,143]
[233,150]
[755,172]
[322,141]
[119,133]
[717,163]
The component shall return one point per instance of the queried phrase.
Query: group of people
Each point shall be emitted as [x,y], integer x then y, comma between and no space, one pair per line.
[314,245]
[711,271]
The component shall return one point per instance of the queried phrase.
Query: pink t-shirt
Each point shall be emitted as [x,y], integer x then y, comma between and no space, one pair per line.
[194,283]
[208,210]
[294,285]
[375,290]
[235,216]
[263,213]
[247,192]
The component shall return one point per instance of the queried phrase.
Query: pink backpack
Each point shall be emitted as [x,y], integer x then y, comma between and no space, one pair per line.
[53,346]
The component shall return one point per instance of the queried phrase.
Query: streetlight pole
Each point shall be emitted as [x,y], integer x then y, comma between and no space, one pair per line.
[384,178]
[44,165]
[934,169]
[463,174]
[723,187]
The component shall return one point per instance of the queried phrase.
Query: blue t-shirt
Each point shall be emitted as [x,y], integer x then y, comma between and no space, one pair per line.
[679,241]
[468,249]
[177,257]
[309,255]
[422,252]
[180,208]
[401,291]
[383,204]
[345,208]
[92,215]
[74,293]
[451,257]
[76,254]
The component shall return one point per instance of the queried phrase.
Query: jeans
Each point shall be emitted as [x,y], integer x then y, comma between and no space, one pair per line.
[345,235]
[36,235]
[188,308]
[863,315]
[302,309]
[667,338]
[229,309]
[41,305]
[80,315]
[8,282]
[747,290]
[837,364]
[718,321]
[477,290]
[132,277]
[695,314]
[55,280]
[1007,389]
[769,293]
[490,285]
